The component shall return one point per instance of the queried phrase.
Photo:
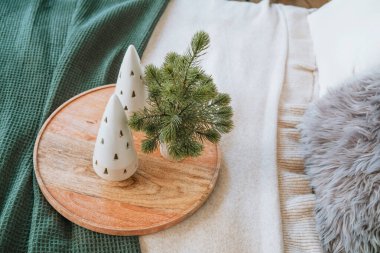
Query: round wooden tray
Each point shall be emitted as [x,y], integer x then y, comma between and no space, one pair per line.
[159,195]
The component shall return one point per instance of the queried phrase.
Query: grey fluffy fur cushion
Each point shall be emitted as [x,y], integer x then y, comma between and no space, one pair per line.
[340,135]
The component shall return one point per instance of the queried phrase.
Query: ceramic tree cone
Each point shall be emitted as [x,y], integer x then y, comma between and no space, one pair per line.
[130,86]
[115,157]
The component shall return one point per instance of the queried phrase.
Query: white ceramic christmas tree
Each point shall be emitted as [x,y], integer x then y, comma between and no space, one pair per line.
[115,157]
[130,86]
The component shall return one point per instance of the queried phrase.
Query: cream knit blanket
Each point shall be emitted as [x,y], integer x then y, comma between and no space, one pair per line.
[251,46]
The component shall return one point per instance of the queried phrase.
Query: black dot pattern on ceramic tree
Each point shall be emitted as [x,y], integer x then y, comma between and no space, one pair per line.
[105,120]
[140,77]
[127,145]
[121,92]
[121,133]
[120,74]
[96,162]
[125,108]
[133,94]
[115,157]
[102,141]
[132,74]
[125,171]
[105,171]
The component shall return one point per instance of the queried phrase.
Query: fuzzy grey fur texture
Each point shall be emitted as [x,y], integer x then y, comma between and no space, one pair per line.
[340,135]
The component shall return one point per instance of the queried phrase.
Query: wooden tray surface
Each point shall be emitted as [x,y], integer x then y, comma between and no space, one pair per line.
[159,195]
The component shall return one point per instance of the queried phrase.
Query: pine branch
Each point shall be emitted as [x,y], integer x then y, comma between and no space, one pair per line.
[186,108]
[199,44]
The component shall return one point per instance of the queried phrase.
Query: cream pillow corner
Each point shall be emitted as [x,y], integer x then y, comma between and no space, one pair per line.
[346,38]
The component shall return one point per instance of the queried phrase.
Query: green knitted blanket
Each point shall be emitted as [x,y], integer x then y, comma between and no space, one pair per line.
[51,50]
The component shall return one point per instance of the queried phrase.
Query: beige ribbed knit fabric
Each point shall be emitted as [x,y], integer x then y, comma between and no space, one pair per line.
[299,89]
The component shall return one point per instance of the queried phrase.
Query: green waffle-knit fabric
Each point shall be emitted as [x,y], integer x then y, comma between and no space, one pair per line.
[51,50]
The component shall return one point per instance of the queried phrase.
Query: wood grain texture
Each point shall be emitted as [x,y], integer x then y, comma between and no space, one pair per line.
[159,195]
[303,3]
[299,3]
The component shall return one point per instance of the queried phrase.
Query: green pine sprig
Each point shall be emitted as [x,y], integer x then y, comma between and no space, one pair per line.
[184,106]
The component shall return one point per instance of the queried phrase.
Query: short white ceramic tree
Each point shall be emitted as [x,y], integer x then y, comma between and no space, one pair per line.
[130,85]
[114,157]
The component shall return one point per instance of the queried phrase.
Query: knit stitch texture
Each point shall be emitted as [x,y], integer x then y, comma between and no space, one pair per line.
[50,51]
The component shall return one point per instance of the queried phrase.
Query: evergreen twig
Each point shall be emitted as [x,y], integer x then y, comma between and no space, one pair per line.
[185,107]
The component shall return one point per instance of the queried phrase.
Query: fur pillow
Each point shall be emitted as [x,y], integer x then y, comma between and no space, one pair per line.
[340,135]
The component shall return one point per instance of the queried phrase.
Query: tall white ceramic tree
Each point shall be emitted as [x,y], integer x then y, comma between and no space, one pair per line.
[115,157]
[130,85]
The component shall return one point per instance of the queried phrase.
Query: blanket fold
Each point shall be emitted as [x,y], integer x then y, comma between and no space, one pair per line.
[51,51]
[299,89]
